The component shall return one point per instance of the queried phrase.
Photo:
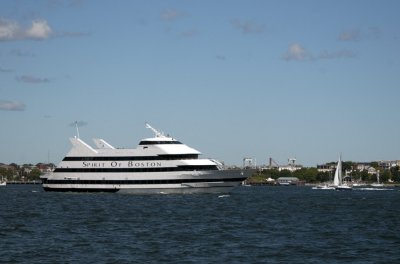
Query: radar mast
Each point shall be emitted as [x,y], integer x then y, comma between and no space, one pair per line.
[156,132]
[77,129]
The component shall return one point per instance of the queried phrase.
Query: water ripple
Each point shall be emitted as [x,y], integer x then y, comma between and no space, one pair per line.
[251,225]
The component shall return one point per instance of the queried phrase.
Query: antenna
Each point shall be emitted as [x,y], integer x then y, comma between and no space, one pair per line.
[77,129]
[156,132]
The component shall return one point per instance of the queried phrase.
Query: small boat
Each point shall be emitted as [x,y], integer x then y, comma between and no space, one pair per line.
[343,187]
[3,182]
[358,184]
[338,181]
[323,187]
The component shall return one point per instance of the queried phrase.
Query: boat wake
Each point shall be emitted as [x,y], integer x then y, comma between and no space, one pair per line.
[374,189]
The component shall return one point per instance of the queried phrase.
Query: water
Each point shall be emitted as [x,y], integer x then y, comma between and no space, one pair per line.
[251,225]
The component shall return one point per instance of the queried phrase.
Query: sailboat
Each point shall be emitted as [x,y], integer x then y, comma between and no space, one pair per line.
[337,180]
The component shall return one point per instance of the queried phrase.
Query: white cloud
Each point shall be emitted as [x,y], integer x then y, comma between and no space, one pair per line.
[170,15]
[21,53]
[374,33]
[32,79]
[350,35]
[71,34]
[11,30]
[337,54]
[38,30]
[5,70]
[189,33]
[296,52]
[12,105]
[371,33]
[248,27]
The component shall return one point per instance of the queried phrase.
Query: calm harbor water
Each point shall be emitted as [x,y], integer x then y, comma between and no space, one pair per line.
[251,225]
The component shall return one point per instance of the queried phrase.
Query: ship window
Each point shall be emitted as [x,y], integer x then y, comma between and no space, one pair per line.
[117,158]
[151,142]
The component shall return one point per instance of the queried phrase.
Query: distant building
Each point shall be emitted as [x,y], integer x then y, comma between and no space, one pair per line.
[387,164]
[291,166]
[362,166]
[372,170]
[326,167]
[287,180]
[8,167]
[43,167]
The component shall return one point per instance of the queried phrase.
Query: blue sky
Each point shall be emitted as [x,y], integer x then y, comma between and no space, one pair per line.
[304,79]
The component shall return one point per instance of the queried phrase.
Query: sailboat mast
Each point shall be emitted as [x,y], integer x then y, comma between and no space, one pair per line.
[340,170]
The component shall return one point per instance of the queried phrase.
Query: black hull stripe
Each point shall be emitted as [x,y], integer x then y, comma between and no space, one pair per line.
[151,142]
[131,182]
[136,158]
[151,169]
[49,189]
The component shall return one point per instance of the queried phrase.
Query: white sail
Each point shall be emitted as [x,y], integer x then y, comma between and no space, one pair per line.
[337,180]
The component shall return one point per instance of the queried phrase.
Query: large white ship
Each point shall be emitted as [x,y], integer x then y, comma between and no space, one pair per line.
[159,164]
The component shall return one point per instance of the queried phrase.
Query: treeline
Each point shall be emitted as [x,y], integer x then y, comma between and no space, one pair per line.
[26,172]
[312,175]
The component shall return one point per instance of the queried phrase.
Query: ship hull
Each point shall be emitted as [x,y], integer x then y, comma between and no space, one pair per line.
[220,181]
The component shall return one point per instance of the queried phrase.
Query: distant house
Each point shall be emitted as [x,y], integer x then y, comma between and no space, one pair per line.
[371,170]
[362,166]
[387,164]
[8,167]
[43,167]
[326,167]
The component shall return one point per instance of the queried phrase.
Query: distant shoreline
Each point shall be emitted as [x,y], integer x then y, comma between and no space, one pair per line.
[24,182]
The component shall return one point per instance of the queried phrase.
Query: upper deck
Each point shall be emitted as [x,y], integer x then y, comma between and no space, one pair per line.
[155,146]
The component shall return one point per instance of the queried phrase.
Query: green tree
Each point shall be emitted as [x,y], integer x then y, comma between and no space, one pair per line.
[364,175]
[385,176]
[34,175]
[306,174]
[395,173]
[347,165]
[285,173]
[272,173]
[7,174]
[375,164]
[324,176]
